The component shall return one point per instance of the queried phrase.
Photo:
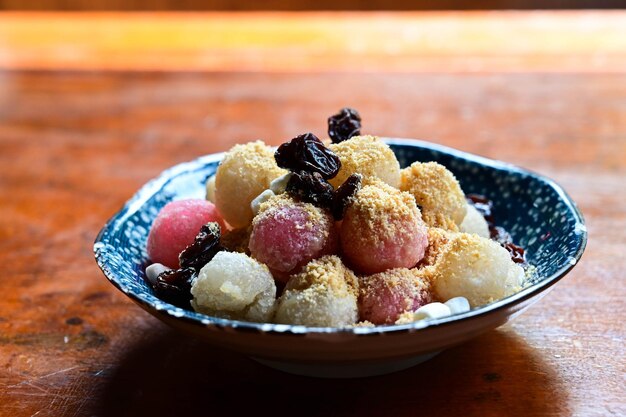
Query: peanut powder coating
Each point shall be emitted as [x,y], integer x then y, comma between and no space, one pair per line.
[437,241]
[287,234]
[368,156]
[437,192]
[383,229]
[237,240]
[323,294]
[383,297]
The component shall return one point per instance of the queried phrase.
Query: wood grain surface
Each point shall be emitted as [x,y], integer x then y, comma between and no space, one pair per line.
[74,145]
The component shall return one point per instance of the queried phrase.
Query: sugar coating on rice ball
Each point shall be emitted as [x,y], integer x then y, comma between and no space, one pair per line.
[474,222]
[437,192]
[244,173]
[476,268]
[368,156]
[382,229]
[176,227]
[233,285]
[323,294]
[287,234]
[385,296]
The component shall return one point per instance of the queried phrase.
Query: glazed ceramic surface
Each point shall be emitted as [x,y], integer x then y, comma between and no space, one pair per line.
[536,211]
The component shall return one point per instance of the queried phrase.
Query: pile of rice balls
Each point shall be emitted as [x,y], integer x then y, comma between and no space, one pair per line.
[331,234]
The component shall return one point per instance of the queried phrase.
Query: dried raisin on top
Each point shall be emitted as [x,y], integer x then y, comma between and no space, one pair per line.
[344,125]
[203,249]
[345,194]
[308,153]
[310,187]
[174,286]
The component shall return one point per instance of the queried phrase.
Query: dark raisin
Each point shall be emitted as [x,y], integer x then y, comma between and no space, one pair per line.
[310,187]
[483,205]
[345,194]
[478,199]
[308,153]
[500,235]
[203,249]
[344,125]
[174,286]
[516,252]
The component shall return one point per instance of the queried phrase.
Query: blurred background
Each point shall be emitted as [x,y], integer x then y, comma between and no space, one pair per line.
[139,5]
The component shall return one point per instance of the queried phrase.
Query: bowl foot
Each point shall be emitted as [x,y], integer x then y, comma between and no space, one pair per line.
[345,370]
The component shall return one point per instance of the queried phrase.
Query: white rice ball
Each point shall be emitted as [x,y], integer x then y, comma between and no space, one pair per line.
[323,294]
[476,268]
[474,222]
[233,285]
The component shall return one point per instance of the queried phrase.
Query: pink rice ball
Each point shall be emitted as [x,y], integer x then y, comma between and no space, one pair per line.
[176,227]
[287,235]
[383,229]
[385,296]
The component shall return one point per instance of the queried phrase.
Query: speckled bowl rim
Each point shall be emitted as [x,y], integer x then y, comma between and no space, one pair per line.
[156,184]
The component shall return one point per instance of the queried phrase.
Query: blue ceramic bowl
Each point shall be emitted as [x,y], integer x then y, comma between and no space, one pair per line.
[537,212]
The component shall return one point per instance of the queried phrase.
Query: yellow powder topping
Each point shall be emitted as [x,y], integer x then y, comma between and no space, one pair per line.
[237,240]
[406,318]
[368,156]
[257,156]
[393,278]
[383,209]
[315,215]
[437,192]
[326,273]
[438,239]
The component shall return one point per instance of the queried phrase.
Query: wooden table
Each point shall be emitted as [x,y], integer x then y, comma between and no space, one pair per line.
[94,105]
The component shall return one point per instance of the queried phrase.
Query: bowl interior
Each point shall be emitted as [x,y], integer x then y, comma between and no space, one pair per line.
[537,212]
